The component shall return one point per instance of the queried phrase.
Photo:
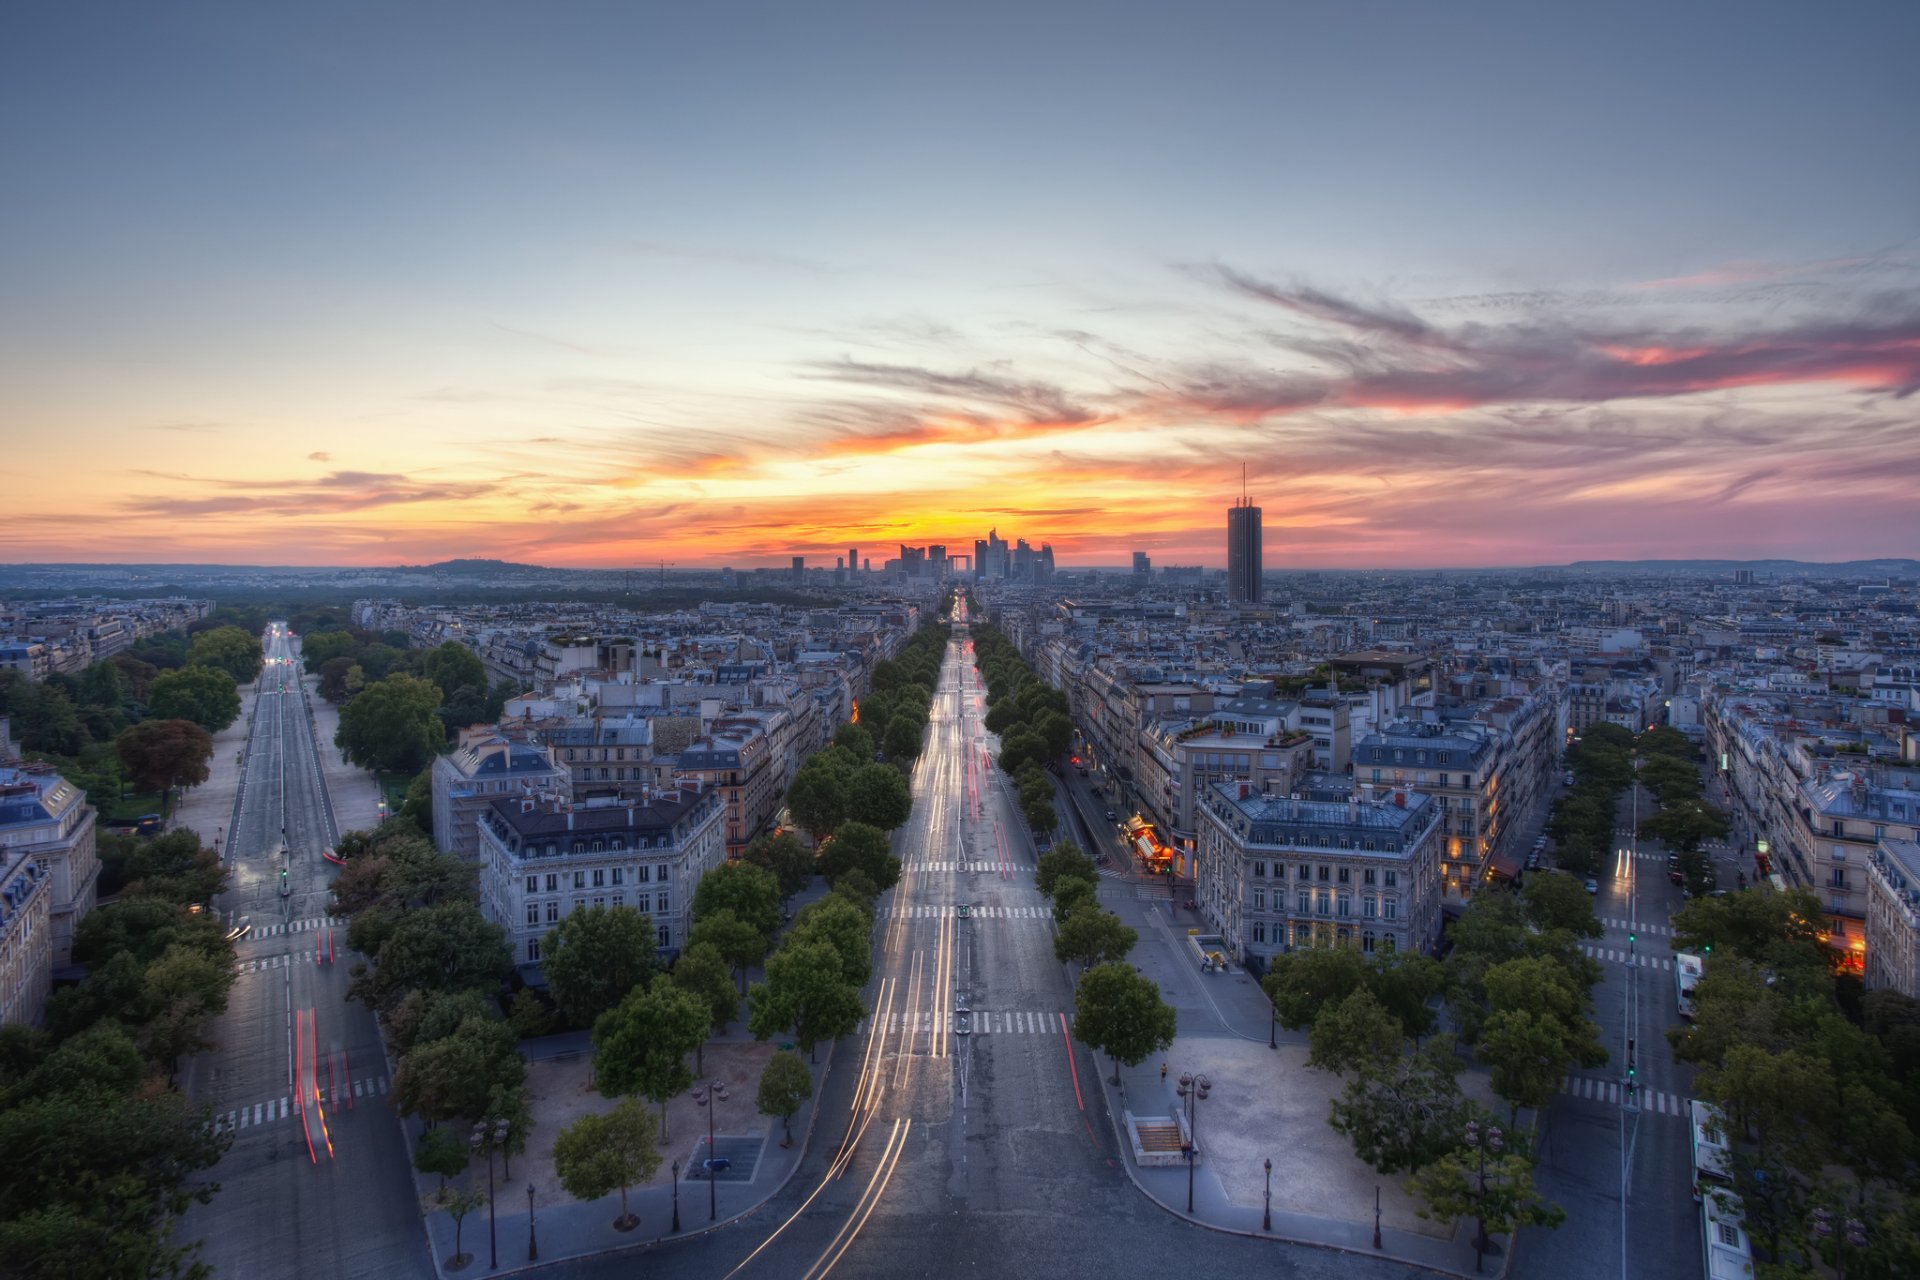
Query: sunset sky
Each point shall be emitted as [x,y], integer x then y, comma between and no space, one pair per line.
[606,284]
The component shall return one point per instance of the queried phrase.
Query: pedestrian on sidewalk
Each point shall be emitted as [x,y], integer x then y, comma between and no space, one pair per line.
[1163,1071]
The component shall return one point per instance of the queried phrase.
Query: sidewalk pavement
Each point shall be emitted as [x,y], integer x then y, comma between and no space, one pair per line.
[355,793]
[576,1229]
[208,808]
[1263,1104]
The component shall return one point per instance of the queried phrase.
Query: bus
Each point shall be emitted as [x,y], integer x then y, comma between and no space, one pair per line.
[1687,968]
[1728,1255]
[1712,1156]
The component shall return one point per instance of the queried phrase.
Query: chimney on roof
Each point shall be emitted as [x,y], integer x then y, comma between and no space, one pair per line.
[1246,789]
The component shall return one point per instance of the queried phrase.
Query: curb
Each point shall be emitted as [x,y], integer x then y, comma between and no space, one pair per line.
[528,1268]
[1133,1175]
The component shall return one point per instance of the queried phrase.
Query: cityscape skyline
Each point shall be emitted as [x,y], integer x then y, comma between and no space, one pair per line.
[507,299]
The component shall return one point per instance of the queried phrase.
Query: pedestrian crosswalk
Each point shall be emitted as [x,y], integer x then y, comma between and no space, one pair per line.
[274,1110]
[273,962]
[1019,1022]
[291,926]
[1618,955]
[976,913]
[962,866]
[1652,1101]
[1644,929]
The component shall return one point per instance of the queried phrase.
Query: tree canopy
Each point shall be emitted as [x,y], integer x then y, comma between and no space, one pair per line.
[392,725]
[1120,1013]
[594,956]
[207,696]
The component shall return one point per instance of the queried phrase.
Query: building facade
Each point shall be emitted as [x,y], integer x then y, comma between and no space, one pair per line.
[26,939]
[541,861]
[1893,918]
[1245,562]
[1278,874]
[46,818]
[468,780]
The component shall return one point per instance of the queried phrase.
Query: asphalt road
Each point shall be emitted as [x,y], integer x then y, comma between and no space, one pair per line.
[1579,1163]
[989,1153]
[323,1189]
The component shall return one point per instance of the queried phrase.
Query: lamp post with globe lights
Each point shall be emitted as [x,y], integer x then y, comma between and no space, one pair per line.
[1491,1141]
[1193,1088]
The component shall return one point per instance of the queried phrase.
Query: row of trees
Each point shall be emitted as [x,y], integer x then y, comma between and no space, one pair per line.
[1029,714]
[1582,822]
[1820,1084]
[433,974]
[102,1151]
[1116,1009]
[1684,818]
[899,693]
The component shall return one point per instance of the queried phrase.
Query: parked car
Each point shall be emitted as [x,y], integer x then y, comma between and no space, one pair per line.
[1112,816]
[1593,886]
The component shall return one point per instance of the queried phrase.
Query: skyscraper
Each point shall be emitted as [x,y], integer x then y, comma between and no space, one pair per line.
[853,559]
[1244,562]
[799,571]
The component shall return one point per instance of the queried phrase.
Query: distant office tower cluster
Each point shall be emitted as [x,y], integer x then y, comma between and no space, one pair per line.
[994,560]
[1244,562]
[991,558]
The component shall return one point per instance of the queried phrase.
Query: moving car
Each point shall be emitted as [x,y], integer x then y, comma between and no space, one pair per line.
[963,1022]
[963,910]
[1593,886]
[1112,816]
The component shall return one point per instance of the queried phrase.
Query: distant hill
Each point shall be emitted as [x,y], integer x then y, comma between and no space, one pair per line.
[473,568]
[1887,568]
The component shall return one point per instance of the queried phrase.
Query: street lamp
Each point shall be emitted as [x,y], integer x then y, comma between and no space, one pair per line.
[1493,1143]
[1192,1089]
[700,1098]
[533,1244]
[676,1196]
[1266,1214]
[489,1135]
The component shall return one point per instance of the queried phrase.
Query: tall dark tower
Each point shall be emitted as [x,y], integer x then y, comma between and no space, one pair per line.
[1244,562]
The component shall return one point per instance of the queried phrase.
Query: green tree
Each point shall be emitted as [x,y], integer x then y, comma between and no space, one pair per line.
[1529,1054]
[738,942]
[1301,983]
[391,725]
[784,854]
[448,946]
[1120,1013]
[451,666]
[704,972]
[318,648]
[1072,896]
[1063,862]
[805,991]
[1356,1034]
[877,795]
[227,649]
[844,925]
[528,1015]
[1406,1113]
[641,1044]
[785,1083]
[454,1077]
[159,755]
[904,736]
[855,846]
[440,1151]
[1093,937]
[95,1182]
[1450,1189]
[751,893]
[1665,741]
[817,797]
[594,957]
[1685,824]
[205,695]
[105,685]
[1560,902]
[1040,815]
[855,741]
[456,1200]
